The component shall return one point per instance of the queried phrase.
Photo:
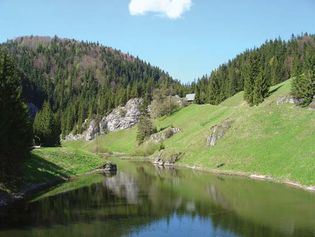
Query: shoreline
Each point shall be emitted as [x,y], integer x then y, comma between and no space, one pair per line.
[259,177]
[254,176]
[6,199]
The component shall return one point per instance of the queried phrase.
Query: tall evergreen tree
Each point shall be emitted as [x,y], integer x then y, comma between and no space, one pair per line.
[248,83]
[145,126]
[46,127]
[303,85]
[251,75]
[15,127]
[261,88]
[197,95]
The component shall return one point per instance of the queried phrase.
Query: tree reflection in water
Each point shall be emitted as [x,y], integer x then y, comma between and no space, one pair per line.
[143,200]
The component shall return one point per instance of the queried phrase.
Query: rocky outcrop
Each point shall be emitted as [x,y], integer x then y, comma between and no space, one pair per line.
[292,100]
[218,131]
[108,167]
[163,135]
[92,131]
[312,105]
[122,117]
[72,137]
[166,160]
[287,99]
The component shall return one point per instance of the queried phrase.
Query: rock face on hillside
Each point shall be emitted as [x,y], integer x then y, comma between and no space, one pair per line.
[163,135]
[291,100]
[218,131]
[122,117]
[287,99]
[92,130]
[72,137]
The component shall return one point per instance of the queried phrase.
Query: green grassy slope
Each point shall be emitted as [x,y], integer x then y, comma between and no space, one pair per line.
[51,164]
[269,139]
[120,141]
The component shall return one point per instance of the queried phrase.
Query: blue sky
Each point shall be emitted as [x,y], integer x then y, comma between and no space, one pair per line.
[187,38]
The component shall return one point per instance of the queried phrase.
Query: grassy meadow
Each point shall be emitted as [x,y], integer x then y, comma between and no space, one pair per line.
[269,139]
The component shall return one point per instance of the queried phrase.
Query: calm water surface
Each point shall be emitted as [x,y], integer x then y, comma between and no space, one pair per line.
[141,200]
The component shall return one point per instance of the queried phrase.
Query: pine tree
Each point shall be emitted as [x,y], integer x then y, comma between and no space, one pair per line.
[251,73]
[303,85]
[261,89]
[145,126]
[46,127]
[214,91]
[15,126]
[248,84]
[197,95]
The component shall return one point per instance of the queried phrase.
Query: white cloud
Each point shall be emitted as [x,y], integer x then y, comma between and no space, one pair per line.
[170,8]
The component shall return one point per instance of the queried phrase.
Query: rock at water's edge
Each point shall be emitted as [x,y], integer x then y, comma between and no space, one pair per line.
[162,161]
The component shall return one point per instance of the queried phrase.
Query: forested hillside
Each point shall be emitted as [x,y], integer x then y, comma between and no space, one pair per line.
[255,70]
[81,79]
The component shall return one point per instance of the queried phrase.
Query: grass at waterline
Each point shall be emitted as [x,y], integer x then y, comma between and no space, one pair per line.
[269,139]
[49,164]
[76,183]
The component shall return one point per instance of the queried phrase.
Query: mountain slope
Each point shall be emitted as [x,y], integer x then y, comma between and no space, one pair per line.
[82,79]
[269,139]
[275,61]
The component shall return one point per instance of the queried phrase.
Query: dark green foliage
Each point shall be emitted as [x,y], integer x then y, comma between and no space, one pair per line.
[81,79]
[198,99]
[46,127]
[249,75]
[255,70]
[15,127]
[145,127]
[164,103]
[162,146]
[261,88]
[256,85]
[303,85]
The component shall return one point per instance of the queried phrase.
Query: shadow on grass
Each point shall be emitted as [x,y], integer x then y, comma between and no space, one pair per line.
[274,90]
[33,171]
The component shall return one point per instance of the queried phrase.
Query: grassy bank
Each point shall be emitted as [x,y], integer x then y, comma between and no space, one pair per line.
[269,139]
[51,164]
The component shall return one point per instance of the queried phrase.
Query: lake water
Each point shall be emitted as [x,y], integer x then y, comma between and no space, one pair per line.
[142,200]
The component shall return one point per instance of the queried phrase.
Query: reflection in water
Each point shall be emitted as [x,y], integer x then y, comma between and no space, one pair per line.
[142,200]
[123,185]
[216,197]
